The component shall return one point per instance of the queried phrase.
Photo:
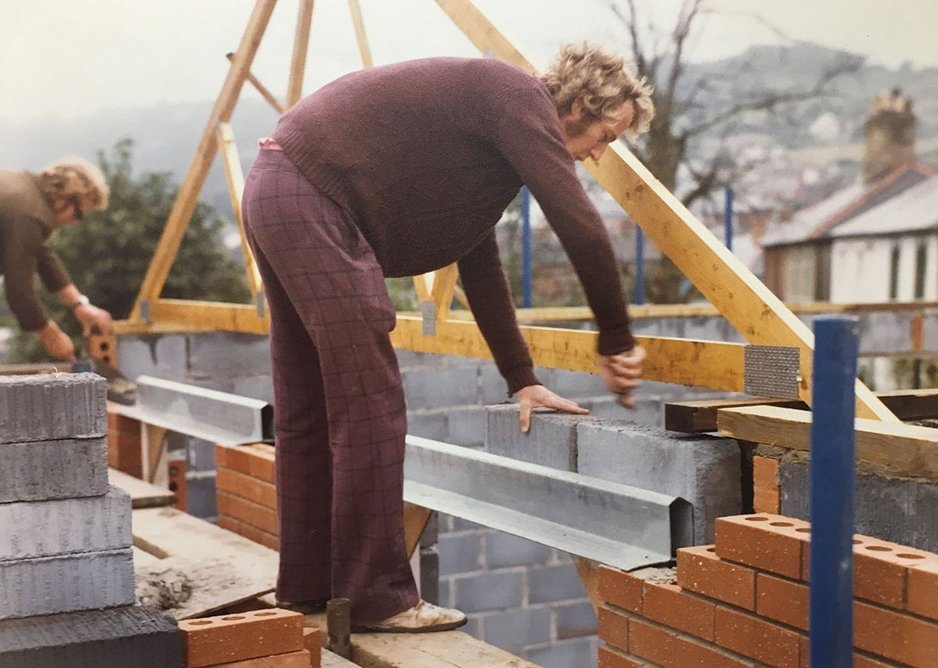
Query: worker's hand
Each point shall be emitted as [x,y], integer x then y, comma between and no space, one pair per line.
[93,318]
[534,396]
[622,373]
[56,342]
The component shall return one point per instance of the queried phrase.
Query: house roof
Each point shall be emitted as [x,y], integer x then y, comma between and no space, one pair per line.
[914,209]
[817,221]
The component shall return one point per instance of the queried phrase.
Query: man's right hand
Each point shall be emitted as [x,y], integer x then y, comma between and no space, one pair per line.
[56,342]
[622,373]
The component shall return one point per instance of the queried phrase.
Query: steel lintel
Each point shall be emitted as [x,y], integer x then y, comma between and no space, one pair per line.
[220,417]
[608,522]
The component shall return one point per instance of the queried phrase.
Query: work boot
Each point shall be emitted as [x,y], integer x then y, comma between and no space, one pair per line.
[422,618]
[304,607]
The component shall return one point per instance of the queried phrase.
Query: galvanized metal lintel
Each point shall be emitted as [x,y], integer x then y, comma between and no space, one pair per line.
[220,417]
[608,522]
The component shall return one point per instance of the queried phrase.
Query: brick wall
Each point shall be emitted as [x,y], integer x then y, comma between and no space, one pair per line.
[245,492]
[744,602]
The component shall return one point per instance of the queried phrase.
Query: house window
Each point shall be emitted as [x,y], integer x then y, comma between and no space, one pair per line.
[921,259]
[894,274]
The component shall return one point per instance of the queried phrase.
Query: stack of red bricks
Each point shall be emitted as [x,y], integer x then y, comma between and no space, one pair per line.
[245,492]
[272,638]
[123,443]
[744,602]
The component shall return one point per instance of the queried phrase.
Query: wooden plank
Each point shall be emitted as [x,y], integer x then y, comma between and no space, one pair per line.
[901,449]
[359,23]
[304,21]
[153,454]
[143,558]
[444,284]
[210,315]
[711,364]
[263,90]
[142,494]
[701,416]
[415,521]
[223,567]
[188,195]
[727,283]
[447,649]
[235,178]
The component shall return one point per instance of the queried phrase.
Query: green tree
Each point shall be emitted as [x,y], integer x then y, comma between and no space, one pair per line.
[108,253]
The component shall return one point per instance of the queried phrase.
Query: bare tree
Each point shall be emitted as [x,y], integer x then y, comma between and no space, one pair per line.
[682,115]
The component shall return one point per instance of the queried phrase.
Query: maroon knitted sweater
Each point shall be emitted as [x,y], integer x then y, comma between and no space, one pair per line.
[427,154]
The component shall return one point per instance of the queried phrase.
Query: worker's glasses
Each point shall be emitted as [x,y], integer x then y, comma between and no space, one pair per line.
[76,209]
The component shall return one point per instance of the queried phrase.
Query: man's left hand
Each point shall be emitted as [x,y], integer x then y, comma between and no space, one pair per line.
[535,396]
[93,319]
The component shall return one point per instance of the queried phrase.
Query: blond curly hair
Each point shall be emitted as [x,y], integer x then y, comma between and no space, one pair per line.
[601,80]
[71,177]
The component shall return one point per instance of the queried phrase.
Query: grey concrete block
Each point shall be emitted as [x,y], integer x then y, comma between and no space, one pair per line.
[574,620]
[201,494]
[460,553]
[488,591]
[135,636]
[46,528]
[66,583]
[200,454]
[502,550]
[445,593]
[897,510]
[551,441]
[430,574]
[259,387]
[648,410]
[513,630]
[52,406]
[703,470]
[581,652]
[55,469]
[210,353]
[571,384]
[431,532]
[492,387]
[548,584]
[428,388]
[466,426]
[161,355]
[428,424]
[884,331]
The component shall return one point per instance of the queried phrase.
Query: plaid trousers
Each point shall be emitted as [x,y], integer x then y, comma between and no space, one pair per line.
[340,417]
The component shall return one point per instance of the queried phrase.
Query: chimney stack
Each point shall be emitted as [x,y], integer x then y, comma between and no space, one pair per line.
[890,135]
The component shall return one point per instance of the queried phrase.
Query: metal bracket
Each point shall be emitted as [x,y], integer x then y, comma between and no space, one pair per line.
[145,310]
[608,522]
[771,371]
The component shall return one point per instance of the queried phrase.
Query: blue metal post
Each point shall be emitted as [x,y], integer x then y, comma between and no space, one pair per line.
[832,481]
[526,298]
[639,266]
[728,216]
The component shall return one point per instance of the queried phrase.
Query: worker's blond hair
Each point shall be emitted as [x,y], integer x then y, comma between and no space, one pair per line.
[603,82]
[71,177]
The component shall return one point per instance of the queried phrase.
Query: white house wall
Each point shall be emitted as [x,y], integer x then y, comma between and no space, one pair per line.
[860,269]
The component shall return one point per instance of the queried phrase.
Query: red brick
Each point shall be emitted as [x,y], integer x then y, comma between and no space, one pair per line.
[652,642]
[699,569]
[766,501]
[877,575]
[764,541]
[248,635]
[614,628]
[860,661]
[611,658]
[667,604]
[312,642]
[699,655]
[756,638]
[248,487]
[895,636]
[256,460]
[782,600]
[253,514]
[764,473]
[620,589]
[298,659]
[176,474]
[923,589]
[229,523]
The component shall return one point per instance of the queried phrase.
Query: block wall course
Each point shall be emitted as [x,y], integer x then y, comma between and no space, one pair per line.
[895,636]
[669,605]
[248,512]
[613,627]
[52,406]
[299,659]
[137,636]
[574,620]
[488,590]
[751,540]
[247,635]
[503,550]
[610,658]
[551,440]
[246,486]
[249,532]
[46,528]
[782,600]
[923,589]
[554,583]
[563,654]
[620,589]
[66,583]
[756,638]
[56,469]
[255,460]
[514,630]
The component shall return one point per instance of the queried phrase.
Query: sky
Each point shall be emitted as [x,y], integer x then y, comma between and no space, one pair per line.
[62,59]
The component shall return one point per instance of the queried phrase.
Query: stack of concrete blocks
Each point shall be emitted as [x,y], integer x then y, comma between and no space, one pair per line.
[66,566]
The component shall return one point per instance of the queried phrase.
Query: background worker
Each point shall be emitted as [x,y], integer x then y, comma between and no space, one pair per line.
[396,171]
[32,206]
